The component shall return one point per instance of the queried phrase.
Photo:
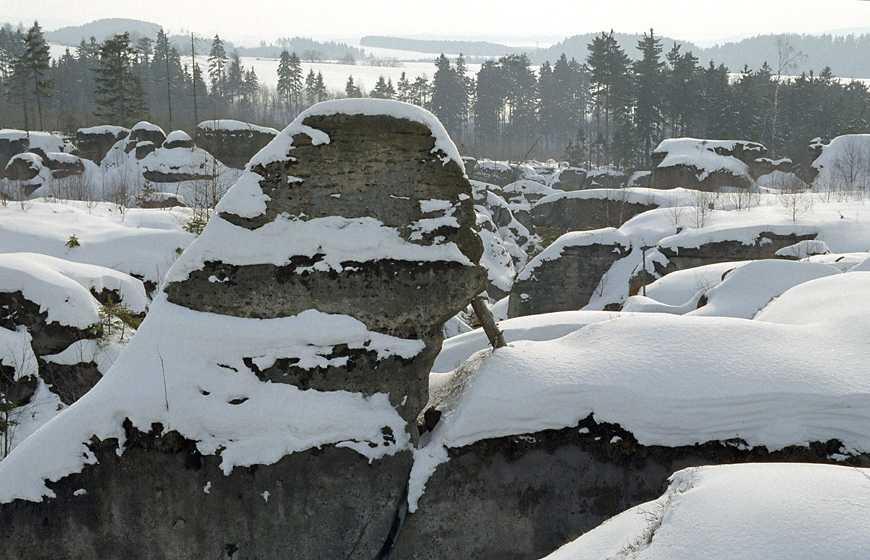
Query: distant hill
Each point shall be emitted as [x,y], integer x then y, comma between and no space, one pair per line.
[433,46]
[848,56]
[101,30]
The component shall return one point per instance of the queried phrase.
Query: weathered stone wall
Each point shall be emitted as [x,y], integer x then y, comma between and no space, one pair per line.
[162,499]
[566,283]
[232,147]
[521,497]
[94,144]
[765,247]
[564,214]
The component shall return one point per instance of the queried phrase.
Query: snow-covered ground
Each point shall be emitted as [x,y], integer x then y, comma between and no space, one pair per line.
[741,512]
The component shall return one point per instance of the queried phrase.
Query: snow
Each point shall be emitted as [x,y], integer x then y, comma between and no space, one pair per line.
[131,291]
[844,163]
[177,136]
[335,239]
[143,243]
[45,141]
[751,287]
[146,126]
[63,299]
[606,236]
[103,129]
[793,375]
[741,512]
[804,249]
[184,369]
[700,154]
[232,125]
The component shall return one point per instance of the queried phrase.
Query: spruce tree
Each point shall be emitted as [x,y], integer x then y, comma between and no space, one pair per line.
[351,90]
[649,96]
[448,96]
[284,89]
[403,89]
[119,95]
[35,62]
[295,81]
[217,64]
[382,90]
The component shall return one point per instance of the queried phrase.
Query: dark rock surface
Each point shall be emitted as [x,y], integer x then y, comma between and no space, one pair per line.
[232,145]
[566,282]
[706,177]
[569,179]
[765,246]
[161,498]
[63,165]
[95,142]
[561,214]
[521,497]
[10,147]
[23,167]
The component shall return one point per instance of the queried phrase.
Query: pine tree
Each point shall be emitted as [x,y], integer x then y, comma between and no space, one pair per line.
[382,90]
[351,90]
[403,89]
[295,81]
[610,87]
[649,96]
[488,103]
[284,89]
[448,96]
[311,87]
[119,94]
[235,78]
[520,97]
[320,88]
[35,62]
[217,64]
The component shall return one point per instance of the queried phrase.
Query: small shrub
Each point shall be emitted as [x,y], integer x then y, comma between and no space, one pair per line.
[195,225]
[73,241]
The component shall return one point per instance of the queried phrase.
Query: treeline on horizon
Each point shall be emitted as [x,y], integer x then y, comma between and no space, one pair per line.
[604,110]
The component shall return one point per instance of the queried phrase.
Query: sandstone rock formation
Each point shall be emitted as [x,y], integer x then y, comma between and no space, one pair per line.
[95,142]
[740,244]
[569,179]
[267,406]
[705,165]
[232,142]
[594,209]
[565,276]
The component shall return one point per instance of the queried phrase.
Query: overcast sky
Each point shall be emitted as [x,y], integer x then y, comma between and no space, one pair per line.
[702,21]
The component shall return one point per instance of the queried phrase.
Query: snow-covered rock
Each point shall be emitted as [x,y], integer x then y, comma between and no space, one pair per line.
[287,354]
[755,511]
[704,164]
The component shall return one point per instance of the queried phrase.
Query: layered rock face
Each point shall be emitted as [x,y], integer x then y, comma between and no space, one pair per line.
[232,142]
[706,165]
[95,142]
[559,214]
[267,406]
[566,275]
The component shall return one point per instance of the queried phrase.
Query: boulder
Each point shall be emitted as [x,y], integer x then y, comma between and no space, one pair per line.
[690,249]
[144,131]
[23,167]
[585,210]
[63,165]
[566,274]
[95,142]
[233,143]
[605,179]
[267,406]
[569,179]
[14,142]
[705,165]
[495,172]
[178,139]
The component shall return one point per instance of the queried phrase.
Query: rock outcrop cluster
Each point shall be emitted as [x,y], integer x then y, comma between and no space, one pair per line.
[267,406]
